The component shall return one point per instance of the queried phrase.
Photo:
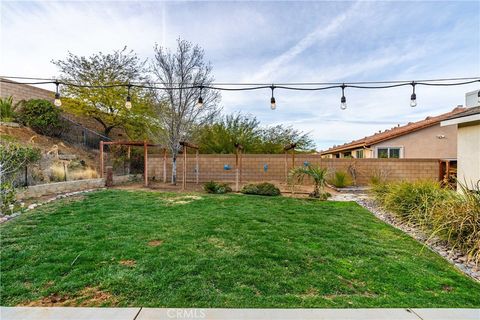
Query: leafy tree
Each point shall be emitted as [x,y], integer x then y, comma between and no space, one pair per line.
[182,72]
[222,135]
[275,138]
[105,105]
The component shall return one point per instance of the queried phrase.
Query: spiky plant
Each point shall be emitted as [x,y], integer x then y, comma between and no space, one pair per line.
[318,175]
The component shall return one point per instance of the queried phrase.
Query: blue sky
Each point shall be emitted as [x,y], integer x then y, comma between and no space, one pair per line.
[273,42]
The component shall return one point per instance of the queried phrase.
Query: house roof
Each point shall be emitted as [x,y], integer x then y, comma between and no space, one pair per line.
[467,112]
[396,131]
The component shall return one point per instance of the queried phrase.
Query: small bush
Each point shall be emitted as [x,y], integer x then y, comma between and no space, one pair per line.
[7,197]
[42,116]
[323,196]
[6,109]
[341,179]
[217,188]
[263,189]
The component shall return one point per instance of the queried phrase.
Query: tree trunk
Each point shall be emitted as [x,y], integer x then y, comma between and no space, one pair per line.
[174,169]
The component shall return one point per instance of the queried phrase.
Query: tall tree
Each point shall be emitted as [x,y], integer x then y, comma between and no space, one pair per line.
[221,136]
[105,105]
[182,72]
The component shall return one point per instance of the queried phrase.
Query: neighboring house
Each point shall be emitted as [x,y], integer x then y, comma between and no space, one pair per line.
[421,139]
[468,145]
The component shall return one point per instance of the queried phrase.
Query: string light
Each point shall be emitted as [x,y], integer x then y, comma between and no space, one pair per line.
[200,99]
[300,86]
[57,102]
[478,94]
[273,104]
[128,101]
[343,100]
[413,97]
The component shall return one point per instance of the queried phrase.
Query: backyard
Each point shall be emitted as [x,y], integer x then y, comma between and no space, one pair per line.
[144,248]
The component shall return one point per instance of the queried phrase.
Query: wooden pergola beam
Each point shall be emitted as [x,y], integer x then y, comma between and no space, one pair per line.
[188,144]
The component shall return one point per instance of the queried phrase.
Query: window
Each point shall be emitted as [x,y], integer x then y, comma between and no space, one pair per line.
[384,153]
[359,154]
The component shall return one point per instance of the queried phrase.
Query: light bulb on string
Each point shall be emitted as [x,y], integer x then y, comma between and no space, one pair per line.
[200,99]
[413,97]
[343,100]
[273,104]
[128,101]
[57,102]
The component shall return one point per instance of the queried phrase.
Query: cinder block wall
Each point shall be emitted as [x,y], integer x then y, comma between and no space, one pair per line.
[212,167]
[24,92]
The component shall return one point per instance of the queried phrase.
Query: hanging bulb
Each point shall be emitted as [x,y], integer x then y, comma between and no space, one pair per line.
[273,104]
[413,100]
[343,104]
[478,94]
[413,97]
[200,99]
[343,100]
[57,102]
[200,102]
[128,101]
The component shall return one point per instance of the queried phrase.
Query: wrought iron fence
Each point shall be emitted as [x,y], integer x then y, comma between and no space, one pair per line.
[76,133]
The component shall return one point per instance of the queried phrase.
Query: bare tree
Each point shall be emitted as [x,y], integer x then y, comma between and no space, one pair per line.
[183,73]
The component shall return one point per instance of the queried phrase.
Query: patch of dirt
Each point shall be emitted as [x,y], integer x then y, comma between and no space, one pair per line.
[26,135]
[155,243]
[346,295]
[87,297]
[223,246]
[447,288]
[182,199]
[310,293]
[128,263]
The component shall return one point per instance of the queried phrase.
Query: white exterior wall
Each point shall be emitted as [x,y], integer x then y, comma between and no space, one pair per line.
[469,153]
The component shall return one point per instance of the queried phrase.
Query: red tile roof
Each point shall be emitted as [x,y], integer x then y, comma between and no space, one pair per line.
[394,132]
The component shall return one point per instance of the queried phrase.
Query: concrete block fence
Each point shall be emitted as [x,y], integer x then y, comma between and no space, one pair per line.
[258,167]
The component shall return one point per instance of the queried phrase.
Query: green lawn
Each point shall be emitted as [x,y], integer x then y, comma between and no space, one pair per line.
[153,249]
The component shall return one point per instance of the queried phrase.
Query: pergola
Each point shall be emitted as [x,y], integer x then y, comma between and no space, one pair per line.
[129,144]
[287,148]
[185,146]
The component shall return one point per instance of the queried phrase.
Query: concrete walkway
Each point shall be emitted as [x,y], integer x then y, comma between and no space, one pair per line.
[54,313]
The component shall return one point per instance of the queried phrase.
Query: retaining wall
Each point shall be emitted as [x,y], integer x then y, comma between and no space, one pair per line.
[59,187]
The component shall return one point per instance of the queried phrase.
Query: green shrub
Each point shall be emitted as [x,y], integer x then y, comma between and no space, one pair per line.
[7,197]
[217,188]
[42,116]
[340,179]
[452,216]
[264,189]
[6,109]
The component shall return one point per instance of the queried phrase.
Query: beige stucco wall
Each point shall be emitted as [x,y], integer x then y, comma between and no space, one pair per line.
[425,143]
[469,153]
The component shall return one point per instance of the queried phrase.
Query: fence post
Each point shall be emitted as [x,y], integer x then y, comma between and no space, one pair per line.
[26,176]
[101,159]
[196,167]
[145,155]
[184,182]
[165,165]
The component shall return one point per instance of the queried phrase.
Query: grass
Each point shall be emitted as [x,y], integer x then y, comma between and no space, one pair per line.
[125,248]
